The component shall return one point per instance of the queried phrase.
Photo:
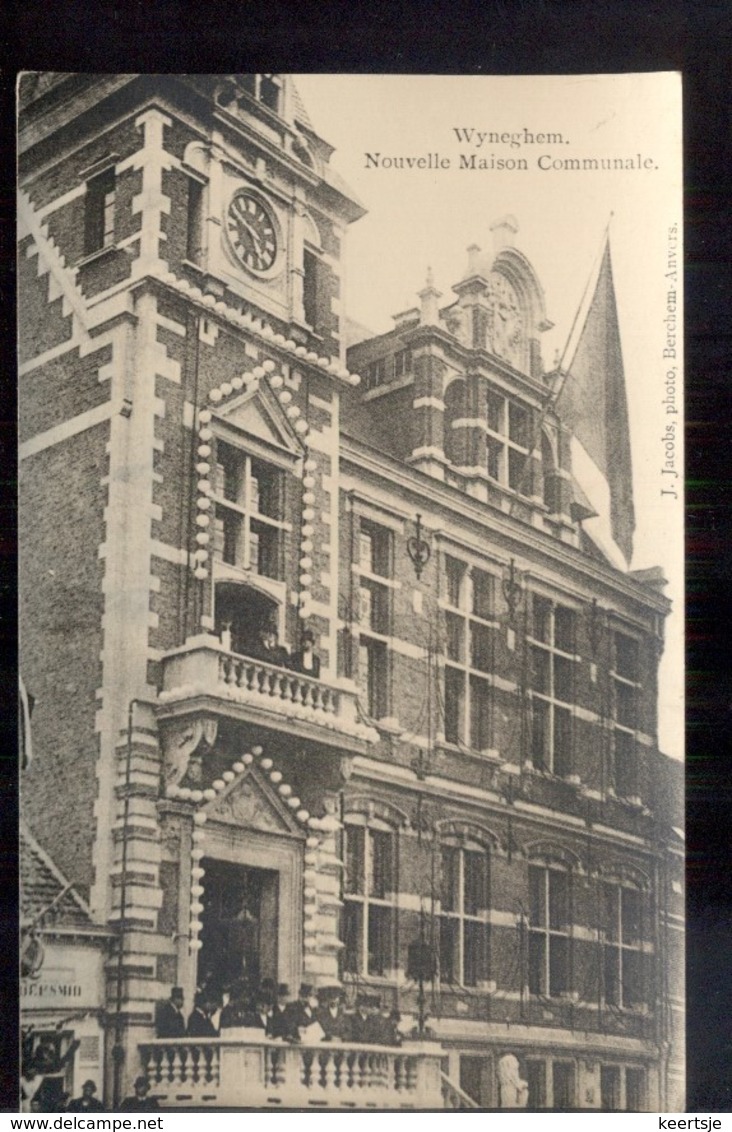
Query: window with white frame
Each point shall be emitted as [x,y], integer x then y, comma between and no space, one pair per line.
[367,923]
[549,930]
[552,644]
[464,903]
[469,644]
[374,556]
[622,940]
[402,363]
[626,694]
[99,211]
[508,441]
[248,526]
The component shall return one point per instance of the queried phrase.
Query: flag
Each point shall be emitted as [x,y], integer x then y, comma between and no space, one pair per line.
[593,403]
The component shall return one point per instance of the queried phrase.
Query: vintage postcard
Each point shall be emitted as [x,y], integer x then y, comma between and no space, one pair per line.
[351,592]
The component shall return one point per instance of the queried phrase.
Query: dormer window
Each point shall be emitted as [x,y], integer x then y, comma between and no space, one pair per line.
[266,89]
[508,442]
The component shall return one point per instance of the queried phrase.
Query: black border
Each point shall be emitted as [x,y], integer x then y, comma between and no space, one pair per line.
[498,37]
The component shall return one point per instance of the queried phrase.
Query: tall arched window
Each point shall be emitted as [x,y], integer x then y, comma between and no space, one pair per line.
[369,896]
[549,929]
[464,895]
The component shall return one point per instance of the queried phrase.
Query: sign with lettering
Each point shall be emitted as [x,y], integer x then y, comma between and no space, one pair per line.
[61,987]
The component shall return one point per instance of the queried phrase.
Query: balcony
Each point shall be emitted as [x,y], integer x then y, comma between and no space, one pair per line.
[203,676]
[262,1073]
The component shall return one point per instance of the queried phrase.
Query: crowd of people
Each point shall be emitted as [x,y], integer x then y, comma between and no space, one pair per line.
[270,1011]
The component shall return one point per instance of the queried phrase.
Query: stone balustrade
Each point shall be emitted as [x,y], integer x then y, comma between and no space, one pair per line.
[240,1073]
[262,692]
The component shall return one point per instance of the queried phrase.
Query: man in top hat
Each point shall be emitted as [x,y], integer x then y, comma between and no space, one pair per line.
[140,1102]
[234,1012]
[365,1029]
[87,1102]
[170,1020]
[258,1015]
[301,1015]
[332,1016]
[279,1022]
[268,648]
[304,659]
[200,1024]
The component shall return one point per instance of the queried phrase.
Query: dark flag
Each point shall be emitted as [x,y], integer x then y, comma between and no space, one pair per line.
[593,404]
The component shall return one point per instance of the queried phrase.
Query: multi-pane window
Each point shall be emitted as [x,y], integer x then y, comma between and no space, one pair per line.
[267,89]
[552,1084]
[508,441]
[468,597]
[463,908]
[626,692]
[373,615]
[99,212]
[311,271]
[374,374]
[622,934]
[368,900]
[612,1078]
[549,918]
[552,671]
[248,524]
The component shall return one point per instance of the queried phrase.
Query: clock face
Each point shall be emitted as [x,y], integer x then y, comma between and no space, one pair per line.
[252,232]
[507,321]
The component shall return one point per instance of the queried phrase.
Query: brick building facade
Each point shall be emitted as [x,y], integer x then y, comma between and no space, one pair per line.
[468,803]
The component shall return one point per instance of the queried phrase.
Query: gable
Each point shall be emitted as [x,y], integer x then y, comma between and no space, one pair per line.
[256,415]
[250,803]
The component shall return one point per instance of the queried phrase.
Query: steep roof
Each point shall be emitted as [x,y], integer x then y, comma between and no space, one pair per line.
[46,896]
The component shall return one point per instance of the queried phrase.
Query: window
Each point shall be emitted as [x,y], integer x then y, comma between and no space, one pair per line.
[536,1080]
[508,441]
[267,89]
[622,945]
[248,528]
[99,217]
[635,1090]
[402,363]
[610,1088]
[375,373]
[311,265]
[468,595]
[626,691]
[368,899]
[552,672]
[548,931]
[563,1085]
[194,229]
[463,903]
[373,615]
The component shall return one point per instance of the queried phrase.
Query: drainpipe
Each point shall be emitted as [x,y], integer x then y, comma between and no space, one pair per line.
[118,1053]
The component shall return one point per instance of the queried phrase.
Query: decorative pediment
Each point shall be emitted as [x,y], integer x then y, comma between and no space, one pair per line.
[249,803]
[256,416]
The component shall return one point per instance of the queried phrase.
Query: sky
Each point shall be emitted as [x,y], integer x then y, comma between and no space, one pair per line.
[426,218]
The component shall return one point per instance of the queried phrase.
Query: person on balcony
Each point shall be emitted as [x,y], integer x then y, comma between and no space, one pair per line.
[200,1024]
[233,1014]
[332,1015]
[258,1015]
[279,1022]
[170,1020]
[268,648]
[304,660]
[301,1016]
[365,1027]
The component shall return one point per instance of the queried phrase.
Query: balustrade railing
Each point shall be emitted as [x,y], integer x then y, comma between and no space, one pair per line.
[277,696]
[221,1072]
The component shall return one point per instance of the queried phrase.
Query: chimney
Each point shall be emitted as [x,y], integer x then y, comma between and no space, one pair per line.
[429,314]
[503,231]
